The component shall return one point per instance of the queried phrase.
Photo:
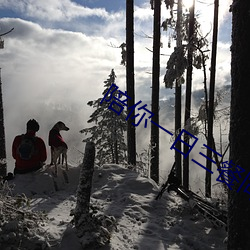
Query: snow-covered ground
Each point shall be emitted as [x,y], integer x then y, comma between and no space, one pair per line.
[141,221]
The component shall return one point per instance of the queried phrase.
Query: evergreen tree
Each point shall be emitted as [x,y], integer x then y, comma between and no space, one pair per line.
[130,85]
[154,168]
[3,164]
[109,128]
[210,118]
[239,204]
[189,52]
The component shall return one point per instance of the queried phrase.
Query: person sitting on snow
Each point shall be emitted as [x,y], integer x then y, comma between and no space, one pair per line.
[29,150]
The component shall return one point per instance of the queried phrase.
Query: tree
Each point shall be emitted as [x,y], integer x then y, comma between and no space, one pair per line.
[154,168]
[3,164]
[108,131]
[85,183]
[239,204]
[188,93]
[210,140]
[3,161]
[93,229]
[175,69]
[131,132]
[178,91]
[187,54]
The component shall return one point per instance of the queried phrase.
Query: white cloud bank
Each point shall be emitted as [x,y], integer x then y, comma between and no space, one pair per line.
[55,68]
[53,10]
[50,74]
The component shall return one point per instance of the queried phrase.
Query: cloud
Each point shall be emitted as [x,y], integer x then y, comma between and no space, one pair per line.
[50,75]
[143,12]
[47,61]
[205,14]
[45,71]
[56,10]
[55,63]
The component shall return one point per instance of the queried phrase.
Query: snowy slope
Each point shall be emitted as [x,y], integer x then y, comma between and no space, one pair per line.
[142,222]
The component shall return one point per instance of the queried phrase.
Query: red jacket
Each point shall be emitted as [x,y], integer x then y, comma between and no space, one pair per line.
[55,139]
[37,159]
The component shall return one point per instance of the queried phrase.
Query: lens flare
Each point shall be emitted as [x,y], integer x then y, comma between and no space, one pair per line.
[188,3]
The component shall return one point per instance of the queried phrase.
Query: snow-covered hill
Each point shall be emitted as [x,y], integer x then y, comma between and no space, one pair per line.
[141,221]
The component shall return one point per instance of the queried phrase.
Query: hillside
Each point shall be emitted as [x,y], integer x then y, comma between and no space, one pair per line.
[141,221]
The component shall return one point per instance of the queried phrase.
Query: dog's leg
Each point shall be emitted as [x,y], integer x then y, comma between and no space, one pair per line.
[63,157]
[66,161]
[55,158]
[59,159]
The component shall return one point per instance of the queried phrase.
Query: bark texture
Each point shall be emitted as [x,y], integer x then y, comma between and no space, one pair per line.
[93,228]
[3,162]
[84,187]
[130,79]
[239,204]
[178,91]
[154,169]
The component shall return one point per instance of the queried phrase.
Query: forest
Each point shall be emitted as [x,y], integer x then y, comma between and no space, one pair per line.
[158,138]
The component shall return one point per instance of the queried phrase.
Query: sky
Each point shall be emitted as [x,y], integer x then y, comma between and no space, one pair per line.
[61,51]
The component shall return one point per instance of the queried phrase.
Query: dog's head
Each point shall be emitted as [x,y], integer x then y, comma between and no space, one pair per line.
[61,126]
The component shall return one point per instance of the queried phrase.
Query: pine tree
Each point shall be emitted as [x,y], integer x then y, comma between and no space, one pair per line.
[3,165]
[238,203]
[154,169]
[188,53]
[109,128]
[130,85]
[210,118]
[3,162]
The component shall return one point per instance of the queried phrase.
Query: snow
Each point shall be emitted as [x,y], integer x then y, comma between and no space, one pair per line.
[141,221]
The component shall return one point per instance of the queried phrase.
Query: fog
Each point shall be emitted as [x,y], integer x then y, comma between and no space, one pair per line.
[51,69]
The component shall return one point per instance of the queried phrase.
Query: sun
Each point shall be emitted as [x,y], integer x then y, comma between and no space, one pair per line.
[188,3]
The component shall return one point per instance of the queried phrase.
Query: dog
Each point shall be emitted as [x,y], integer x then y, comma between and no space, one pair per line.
[57,152]
[58,146]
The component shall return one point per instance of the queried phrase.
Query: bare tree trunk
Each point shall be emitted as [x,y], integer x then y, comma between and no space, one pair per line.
[116,151]
[93,231]
[211,100]
[131,136]
[154,168]
[239,204]
[178,86]
[83,193]
[3,162]
[188,94]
